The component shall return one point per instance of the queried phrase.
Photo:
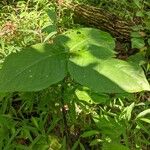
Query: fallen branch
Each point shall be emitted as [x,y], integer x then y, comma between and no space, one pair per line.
[102,19]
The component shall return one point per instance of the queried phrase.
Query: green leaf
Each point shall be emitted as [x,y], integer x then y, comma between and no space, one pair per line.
[52,14]
[140,14]
[91,63]
[135,34]
[114,146]
[49,29]
[145,120]
[138,58]
[50,36]
[91,97]
[100,43]
[89,133]
[75,145]
[143,127]
[128,111]
[64,144]
[81,146]
[7,121]
[138,3]
[137,43]
[96,142]
[109,126]
[143,113]
[107,76]
[33,68]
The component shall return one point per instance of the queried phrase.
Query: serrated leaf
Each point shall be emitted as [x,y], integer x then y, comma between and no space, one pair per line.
[33,68]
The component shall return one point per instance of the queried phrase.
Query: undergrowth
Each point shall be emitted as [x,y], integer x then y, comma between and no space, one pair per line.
[37,120]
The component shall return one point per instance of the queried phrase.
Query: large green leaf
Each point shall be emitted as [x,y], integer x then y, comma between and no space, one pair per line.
[108,76]
[100,43]
[91,63]
[33,68]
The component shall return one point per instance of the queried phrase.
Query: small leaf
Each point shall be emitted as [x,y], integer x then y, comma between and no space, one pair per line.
[138,34]
[91,97]
[50,35]
[145,120]
[143,113]
[75,145]
[81,146]
[52,14]
[7,121]
[114,146]
[95,142]
[140,14]
[49,29]
[138,58]
[137,43]
[89,133]
[143,127]
[128,111]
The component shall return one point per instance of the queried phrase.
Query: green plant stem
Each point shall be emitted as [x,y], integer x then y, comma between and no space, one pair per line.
[64,112]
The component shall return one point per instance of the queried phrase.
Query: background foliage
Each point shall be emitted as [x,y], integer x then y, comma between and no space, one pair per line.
[35,120]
